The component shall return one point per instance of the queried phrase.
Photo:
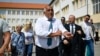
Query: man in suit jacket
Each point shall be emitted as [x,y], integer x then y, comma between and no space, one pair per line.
[60,48]
[73,48]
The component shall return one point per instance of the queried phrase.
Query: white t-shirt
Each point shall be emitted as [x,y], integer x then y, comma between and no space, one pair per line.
[28,36]
[3,28]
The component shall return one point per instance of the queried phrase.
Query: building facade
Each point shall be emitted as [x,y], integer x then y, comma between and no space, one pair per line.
[20,13]
[79,8]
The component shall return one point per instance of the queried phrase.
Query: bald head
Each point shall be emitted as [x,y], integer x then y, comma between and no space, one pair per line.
[48,11]
[71,19]
[46,7]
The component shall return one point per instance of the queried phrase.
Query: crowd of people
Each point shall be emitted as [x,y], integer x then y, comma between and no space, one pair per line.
[51,36]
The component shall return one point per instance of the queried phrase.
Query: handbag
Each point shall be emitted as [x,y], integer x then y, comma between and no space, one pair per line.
[13,48]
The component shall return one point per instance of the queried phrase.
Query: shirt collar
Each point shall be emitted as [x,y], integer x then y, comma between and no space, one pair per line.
[72,24]
[45,18]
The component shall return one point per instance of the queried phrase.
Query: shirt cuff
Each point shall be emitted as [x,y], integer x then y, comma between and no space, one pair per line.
[64,31]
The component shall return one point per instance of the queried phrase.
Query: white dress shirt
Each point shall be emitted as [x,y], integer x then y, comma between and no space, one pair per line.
[87,28]
[42,31]
[71,28]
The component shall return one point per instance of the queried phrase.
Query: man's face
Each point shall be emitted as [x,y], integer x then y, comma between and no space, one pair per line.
[87,18]
[49,12]
[71,19]
[62,20]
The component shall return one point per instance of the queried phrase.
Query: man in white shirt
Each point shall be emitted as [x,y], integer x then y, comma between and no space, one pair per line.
[48,30]
[89,40]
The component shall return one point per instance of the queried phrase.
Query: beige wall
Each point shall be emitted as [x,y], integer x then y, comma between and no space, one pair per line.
[96,18]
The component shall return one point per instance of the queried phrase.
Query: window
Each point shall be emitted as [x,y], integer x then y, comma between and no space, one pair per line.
[35,20]
[8,20]
[27,20]
[94,1]
[65,9]
[35,12]
[9,11]
[13,12]
[74,5]
[77,21]
[40,12]
[57,3]
[31,12]
[22,20]
[31,20]
[17,20]
[96,6]
[57,14]
[97,1]
[99,7]
[23,12]
[27,12]
[94,9]
[18,12]
[81,19]
[79,5]
[12,20]
[2,11]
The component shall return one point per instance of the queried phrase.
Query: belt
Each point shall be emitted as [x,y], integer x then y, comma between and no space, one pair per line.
[56,48]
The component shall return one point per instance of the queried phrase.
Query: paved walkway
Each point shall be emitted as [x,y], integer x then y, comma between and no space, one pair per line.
[97,48]
[33,51]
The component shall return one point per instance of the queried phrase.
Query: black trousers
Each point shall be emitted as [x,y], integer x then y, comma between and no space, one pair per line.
[66,50]
[83,47]
[46,52]
[60,49]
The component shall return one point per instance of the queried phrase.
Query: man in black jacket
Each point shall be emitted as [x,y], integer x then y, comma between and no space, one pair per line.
[74,46]
[60,48]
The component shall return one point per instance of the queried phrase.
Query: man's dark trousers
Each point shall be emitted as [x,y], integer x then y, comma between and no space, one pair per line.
[46,52]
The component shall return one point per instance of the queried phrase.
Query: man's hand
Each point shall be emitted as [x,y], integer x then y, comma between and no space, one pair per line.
[58,33]
[9,48]
[65,42]
[2,51]
[79,32]
[68,35]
